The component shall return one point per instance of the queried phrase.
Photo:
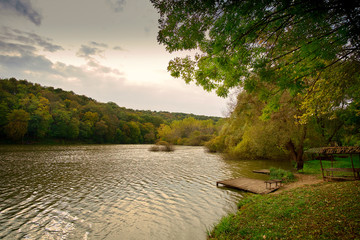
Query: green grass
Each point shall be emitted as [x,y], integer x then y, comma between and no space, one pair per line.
[322,211]
[313,166]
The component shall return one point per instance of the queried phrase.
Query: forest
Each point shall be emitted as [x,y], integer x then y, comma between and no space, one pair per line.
[31,113]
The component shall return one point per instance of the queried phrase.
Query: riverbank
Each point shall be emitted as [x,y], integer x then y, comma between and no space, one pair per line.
[323,210]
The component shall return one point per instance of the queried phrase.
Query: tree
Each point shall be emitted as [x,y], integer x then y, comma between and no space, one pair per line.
[188,131]
[91,118]
[148,132]
[18,124]
[56,113]
[269,49]
[135,133]
[120,136]
[40,118]
[4,110]
[246,135]
[242,43]
[59,127]
[73,129]
[165,133]
[100,131]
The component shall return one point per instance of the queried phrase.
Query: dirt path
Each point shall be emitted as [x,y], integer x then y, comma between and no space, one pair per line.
[302,179]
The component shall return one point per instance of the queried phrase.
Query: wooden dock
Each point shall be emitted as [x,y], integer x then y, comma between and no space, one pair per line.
[247,184]
[262,171]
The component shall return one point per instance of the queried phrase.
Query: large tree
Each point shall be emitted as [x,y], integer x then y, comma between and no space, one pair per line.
[280,41]
[268,48]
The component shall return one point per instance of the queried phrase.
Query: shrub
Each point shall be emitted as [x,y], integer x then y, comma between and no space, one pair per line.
[285,176]
[162,146]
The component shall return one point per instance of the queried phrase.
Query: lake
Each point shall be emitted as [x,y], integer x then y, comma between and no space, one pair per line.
[115,191]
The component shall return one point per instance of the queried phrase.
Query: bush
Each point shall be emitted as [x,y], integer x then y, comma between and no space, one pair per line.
[285,176]
[154,148]
[162,146]
[216,144]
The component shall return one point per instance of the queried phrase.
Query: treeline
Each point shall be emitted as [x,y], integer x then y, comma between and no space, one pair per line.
[189,131]
[248,133]
[33,113]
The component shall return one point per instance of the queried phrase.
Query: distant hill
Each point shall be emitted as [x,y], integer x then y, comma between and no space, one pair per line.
[33,113]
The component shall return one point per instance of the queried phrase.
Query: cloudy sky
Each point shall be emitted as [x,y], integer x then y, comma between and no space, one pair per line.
[104,49]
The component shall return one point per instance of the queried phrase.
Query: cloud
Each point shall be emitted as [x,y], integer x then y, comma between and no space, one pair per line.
[14,48]
[106,84]
[91,49]
[103,45]
[13,38]
[88,51]
[24,8]
[95,66]
[116,5]
[26,63]
[118,48]
[18,52]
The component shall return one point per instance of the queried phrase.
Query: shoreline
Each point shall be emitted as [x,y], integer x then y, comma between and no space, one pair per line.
[307,208]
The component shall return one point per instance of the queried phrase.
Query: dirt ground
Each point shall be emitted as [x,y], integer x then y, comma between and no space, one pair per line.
[302,180]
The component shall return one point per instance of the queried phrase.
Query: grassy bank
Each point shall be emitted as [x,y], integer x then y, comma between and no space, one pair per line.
[330,210]
[313,166]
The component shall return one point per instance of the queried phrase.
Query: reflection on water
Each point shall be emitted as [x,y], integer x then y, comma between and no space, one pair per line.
[113,192]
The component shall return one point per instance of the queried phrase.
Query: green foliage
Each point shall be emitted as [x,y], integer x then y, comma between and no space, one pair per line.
[285,176]
[296,61]
[323,211]
[31,112]
[246,134]
[188,131]
[248,43]
[18,123]
[216,144]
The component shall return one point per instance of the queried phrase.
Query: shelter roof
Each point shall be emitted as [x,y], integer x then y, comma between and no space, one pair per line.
[335,150]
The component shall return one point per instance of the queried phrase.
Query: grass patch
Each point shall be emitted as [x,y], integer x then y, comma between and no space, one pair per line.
[285,176]
[328,210]
[313,166]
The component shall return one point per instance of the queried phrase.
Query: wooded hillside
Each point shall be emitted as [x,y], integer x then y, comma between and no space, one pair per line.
[32,113]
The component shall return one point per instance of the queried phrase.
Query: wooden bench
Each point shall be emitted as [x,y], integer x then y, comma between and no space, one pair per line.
[324,158]
[356,171]
[268,183]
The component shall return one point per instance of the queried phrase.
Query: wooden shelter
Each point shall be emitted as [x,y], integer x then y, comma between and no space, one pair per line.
[332,154]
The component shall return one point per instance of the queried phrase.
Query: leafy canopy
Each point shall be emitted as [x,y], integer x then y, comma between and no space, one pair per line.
[248,43]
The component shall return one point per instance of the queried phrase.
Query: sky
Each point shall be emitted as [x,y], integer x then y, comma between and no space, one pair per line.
[104,49]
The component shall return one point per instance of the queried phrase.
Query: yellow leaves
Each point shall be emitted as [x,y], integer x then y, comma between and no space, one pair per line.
[18,123]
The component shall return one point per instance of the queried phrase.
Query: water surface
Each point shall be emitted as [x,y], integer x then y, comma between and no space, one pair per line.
[114,192]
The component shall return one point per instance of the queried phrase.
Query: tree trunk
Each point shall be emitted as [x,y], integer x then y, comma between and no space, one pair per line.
[297,156]
[300,159]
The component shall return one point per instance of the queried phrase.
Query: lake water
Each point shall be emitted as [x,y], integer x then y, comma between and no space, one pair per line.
[115,191]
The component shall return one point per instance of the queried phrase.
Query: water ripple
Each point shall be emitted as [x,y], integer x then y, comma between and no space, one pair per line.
[111,192]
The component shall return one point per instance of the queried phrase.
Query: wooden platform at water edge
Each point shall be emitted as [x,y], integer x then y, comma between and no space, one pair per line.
[262,171]
[247,184]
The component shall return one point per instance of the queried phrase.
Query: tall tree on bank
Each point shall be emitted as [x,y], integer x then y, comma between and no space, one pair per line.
[290,45]
[282,42]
